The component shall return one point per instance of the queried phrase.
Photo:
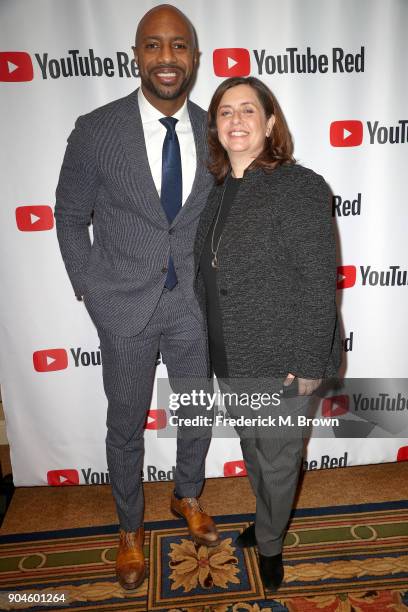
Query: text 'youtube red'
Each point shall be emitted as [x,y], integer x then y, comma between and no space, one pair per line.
[229,62]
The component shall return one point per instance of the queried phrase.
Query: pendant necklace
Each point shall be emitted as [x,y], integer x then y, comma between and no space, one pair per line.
[214,260]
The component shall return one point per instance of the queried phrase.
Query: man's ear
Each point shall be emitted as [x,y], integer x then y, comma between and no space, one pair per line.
[196,58]
[134,49]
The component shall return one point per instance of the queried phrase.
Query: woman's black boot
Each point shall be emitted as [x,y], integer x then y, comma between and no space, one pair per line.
[271,570]
[247,538]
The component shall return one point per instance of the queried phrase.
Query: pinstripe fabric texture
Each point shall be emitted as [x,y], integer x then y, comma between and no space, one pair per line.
[128,372]
[106,177]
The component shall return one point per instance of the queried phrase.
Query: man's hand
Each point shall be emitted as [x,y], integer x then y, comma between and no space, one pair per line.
[306,386]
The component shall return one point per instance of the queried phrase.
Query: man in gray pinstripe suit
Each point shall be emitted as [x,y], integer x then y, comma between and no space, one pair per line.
[112,172]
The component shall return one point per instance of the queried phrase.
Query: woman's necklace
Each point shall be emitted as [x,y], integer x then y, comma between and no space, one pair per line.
[214,260]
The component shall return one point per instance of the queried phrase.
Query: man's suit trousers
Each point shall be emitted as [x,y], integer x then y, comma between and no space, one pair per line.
[128,373]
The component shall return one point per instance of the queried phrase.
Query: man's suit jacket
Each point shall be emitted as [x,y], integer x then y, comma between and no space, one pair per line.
[277,277]
[106,176]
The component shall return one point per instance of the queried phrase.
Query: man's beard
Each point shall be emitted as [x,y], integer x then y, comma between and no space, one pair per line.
[162,93]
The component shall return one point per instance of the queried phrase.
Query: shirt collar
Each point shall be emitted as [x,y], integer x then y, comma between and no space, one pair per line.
[150,114]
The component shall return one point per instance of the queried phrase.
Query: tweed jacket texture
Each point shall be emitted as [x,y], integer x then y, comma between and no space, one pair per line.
[277,276]
[105,178]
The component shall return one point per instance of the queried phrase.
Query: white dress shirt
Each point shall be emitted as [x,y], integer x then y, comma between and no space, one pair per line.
[155,132]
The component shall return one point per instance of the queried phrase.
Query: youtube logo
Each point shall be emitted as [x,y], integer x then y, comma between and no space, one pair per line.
[15,66]
[34,218]
[335,406]
[234,62]
[347,133]
[156,419]
[346,277]
[62,478]
[50,360]
[402,453]
[235,468]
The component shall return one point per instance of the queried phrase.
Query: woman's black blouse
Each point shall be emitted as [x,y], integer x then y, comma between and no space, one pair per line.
[214,318]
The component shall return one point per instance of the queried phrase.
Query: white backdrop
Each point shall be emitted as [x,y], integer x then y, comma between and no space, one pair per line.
[56,418]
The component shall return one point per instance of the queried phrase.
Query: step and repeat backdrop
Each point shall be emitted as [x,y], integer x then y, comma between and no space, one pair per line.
[339,70]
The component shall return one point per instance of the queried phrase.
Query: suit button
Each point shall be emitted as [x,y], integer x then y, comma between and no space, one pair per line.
[164,270]
[171,231]
[223,292]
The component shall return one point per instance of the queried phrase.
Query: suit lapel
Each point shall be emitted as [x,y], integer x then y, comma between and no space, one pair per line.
[141,182]
[141,185]
[199,134]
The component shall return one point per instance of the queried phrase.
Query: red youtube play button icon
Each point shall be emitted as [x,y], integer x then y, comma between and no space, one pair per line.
[402,453]
[235,468]
[62,478]
[346,277]
[346,133]
[50,360]
[156,419]
[34,218]
[233,62]
[15,66]
[335,406]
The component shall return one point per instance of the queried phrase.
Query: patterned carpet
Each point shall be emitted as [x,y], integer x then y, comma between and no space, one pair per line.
[337,559]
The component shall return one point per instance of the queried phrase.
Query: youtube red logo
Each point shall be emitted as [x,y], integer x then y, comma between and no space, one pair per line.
[62,478]
[234,62]
[50,360]
[34,218]
[346,133]
[346,277]
[156,419]
[15,66]
[235,468]
[335,406]
[402,453]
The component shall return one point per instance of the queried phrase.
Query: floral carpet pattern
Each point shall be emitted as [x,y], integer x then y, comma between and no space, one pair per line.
[337,559]
[208,567]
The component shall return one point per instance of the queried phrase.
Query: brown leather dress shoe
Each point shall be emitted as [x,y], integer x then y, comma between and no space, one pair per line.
[201,526]
[130,567]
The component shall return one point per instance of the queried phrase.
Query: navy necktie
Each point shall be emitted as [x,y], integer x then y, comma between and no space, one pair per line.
[171,194]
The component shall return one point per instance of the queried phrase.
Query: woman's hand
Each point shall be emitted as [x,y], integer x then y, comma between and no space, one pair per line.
[306,386]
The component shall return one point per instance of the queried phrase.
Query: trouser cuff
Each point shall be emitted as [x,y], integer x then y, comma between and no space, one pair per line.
[187,490]
[269,549]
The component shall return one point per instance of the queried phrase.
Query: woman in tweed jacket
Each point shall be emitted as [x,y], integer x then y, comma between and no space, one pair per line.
[266,280]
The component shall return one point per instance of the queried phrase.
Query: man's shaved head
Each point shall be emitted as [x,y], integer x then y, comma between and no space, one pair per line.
[163,8]
[167,56]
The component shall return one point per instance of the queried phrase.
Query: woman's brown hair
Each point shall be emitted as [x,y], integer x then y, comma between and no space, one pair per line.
[278,148]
